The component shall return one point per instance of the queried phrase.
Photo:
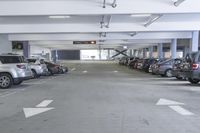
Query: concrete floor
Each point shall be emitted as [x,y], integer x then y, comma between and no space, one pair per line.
[101,98]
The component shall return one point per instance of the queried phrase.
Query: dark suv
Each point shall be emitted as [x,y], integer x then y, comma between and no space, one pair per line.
[191,67]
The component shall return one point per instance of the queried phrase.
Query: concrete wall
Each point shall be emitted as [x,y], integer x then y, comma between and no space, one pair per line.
[5,45]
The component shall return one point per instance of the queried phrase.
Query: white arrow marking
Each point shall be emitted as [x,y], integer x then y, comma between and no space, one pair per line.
[44,103]
[167,102]
[29,112]
[73,69]
[85,71]
[181,110]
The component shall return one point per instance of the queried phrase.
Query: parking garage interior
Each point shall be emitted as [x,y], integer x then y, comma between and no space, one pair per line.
[88,56]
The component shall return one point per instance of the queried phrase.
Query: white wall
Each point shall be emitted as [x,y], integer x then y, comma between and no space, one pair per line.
[5,45]
[35,50]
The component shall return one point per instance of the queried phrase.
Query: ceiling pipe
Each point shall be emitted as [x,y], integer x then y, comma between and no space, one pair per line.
[102,21]
[153,19]
[104,3]
[177,3]
[109,21]
[114,4]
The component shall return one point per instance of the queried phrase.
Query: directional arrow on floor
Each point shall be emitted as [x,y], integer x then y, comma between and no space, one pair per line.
[174,105]
[40,108]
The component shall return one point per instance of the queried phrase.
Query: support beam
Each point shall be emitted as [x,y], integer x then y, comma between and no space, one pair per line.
[173,48]
[177,3]
[194,46]
[144,52]
[160,51]
[109,21]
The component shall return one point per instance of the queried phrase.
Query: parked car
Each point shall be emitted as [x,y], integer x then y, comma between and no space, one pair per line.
[13,70]
[177,70]
[122,60]
[38,67]
[154,69]
[147,63]
[132,63]
[191,67]
[52,68]
[165,68]
[140,64]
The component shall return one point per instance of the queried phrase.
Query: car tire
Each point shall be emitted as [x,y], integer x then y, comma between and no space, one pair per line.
[18,82]
[35,75]
[6,81]
[193,81]
[168,73]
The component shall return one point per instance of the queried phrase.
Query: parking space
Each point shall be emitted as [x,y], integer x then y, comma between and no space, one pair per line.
[101,101]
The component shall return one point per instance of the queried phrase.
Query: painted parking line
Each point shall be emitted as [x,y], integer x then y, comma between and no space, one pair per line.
[181,110]
[44,103]
[73,69]
[7,94]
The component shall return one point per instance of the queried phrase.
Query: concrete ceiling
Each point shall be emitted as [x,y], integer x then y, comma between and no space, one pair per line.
[135,23]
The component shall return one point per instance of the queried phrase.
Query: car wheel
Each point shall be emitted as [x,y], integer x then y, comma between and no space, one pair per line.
[6,81]
[193,81]
[17,83]
[168,73]
[35,75]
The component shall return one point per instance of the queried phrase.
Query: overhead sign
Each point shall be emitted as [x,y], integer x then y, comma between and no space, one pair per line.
[84,42]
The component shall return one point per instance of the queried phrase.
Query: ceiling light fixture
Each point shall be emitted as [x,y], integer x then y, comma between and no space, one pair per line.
[153,19]
[59,17]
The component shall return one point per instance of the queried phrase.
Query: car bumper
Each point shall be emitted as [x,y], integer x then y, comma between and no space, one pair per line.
[192,74]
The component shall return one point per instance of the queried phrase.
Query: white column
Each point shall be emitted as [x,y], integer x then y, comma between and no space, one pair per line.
[195,42]
[151,52]
[173,48]
[160,51]
[5,44]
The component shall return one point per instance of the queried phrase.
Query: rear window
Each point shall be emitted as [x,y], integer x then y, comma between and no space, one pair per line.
[31,60]
[11,59]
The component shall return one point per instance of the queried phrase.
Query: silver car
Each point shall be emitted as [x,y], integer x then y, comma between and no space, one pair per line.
[165,68]
[38,67]
[13,70]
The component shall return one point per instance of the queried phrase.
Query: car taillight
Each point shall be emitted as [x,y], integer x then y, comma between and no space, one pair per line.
[195,66]
[21,66]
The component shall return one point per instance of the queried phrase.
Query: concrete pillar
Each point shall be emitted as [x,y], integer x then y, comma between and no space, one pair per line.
[173,48]
[195,42]
[108,54]
[26,49]
[160,51]
[151,52]
[144,52]
[185,51]
[5,44]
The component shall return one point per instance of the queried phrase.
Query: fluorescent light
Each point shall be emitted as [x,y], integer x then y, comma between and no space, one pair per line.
[59,17]
[140,15]
[125,47]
